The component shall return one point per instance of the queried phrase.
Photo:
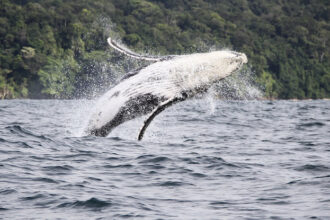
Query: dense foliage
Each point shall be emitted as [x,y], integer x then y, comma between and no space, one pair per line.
[57,48]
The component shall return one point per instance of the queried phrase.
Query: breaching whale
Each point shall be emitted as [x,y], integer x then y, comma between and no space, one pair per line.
[152,89]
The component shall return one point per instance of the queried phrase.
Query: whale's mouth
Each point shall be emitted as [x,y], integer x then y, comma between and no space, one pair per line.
[244,58]
[240,56]
[238,60]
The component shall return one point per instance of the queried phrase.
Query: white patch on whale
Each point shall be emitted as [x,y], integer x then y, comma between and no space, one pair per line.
[159,85]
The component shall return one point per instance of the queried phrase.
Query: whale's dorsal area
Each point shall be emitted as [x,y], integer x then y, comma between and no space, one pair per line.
[152,89]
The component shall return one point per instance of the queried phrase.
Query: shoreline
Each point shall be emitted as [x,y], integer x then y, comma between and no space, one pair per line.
[257,99]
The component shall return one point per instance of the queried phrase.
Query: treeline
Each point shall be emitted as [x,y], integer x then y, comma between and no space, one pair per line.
[57,48]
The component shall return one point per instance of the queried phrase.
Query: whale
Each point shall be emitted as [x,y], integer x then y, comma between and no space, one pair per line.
[151,89]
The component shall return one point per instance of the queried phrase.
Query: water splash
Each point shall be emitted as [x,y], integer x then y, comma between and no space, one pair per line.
[239,86]
[210,98]
[100,69]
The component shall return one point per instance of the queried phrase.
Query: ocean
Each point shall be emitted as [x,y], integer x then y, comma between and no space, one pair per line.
[199,159]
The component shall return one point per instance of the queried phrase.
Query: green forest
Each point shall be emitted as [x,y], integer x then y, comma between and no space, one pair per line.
[58,48]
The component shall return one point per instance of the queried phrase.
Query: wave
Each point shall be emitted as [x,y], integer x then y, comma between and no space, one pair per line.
[92,203]
[312,124]
[16,129]
[314,168]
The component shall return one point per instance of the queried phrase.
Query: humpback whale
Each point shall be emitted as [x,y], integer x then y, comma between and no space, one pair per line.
[152,89]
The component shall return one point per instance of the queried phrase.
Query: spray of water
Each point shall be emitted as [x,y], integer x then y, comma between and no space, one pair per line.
[239,86]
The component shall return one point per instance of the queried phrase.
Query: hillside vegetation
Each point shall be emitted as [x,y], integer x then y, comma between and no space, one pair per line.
[57,48]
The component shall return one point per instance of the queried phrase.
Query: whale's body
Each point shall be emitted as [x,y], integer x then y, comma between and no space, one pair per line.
[159,85]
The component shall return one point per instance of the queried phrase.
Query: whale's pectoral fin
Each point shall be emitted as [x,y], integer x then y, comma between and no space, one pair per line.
[129,53]
[158,110]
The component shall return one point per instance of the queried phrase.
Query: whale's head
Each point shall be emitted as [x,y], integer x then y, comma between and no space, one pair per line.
[239,57]
[228,62]
[221,64]
[204,69]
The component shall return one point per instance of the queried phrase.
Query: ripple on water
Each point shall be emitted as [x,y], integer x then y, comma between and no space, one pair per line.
[153,159]
[172,184]
[58,170]
[16,129]
[94,204]
[34,197]
[7,191]
[311,124]
[124,166]
[313,168]
[46,180]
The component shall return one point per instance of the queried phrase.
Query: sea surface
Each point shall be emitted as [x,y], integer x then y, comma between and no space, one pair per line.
[200,159]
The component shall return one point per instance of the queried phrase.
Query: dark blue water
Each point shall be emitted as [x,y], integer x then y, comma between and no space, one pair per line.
[199,160]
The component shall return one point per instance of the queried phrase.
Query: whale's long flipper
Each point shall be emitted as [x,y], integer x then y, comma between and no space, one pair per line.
[158,110]
[129,53]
